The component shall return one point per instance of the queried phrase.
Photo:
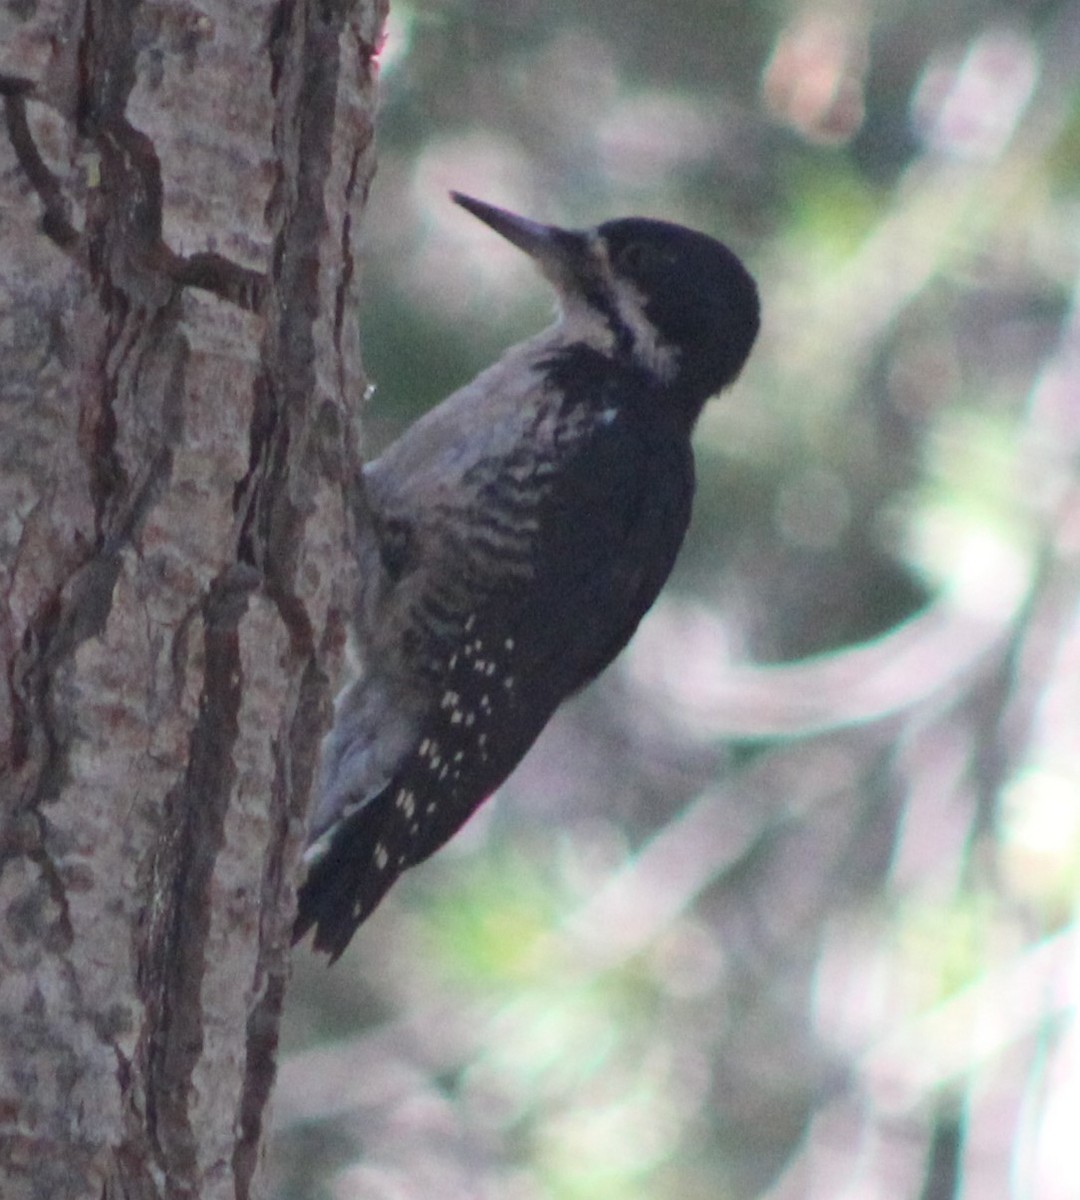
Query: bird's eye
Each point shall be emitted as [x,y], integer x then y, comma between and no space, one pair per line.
[642,258]
[636,258]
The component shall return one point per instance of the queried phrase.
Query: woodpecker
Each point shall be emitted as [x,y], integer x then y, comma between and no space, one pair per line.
[519,532]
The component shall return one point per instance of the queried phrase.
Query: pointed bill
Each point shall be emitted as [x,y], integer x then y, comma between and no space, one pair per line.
[559,253]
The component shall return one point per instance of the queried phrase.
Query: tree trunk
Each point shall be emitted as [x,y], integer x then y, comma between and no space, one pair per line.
[179,377]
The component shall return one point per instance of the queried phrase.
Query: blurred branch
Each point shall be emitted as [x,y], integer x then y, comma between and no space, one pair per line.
[932,653]
[709,837]
[973,1029]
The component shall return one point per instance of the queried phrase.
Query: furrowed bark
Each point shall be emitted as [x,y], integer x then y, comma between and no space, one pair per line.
[179,382]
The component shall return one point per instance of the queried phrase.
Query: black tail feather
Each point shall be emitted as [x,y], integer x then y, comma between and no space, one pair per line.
[344,884]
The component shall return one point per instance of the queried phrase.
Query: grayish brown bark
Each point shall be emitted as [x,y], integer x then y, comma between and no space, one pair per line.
[179,372]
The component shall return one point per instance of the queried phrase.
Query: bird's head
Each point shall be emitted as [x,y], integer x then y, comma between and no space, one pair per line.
[677,303]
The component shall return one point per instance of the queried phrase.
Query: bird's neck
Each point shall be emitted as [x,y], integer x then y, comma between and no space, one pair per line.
[583,365]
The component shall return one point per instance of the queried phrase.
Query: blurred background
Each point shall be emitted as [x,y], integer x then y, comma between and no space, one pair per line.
[785,906]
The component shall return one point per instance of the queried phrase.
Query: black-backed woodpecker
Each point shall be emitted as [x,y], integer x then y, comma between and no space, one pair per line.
[519,532]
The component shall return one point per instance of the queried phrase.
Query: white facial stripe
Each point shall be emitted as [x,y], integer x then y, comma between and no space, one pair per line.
[579,321]
[653,354]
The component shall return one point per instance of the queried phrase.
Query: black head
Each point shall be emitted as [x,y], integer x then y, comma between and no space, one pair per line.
[678,303]
[691,289]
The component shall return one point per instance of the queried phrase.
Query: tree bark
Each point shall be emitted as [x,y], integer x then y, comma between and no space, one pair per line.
[179,379]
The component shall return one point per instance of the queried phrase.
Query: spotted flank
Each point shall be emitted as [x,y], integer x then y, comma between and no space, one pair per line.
[434,791]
